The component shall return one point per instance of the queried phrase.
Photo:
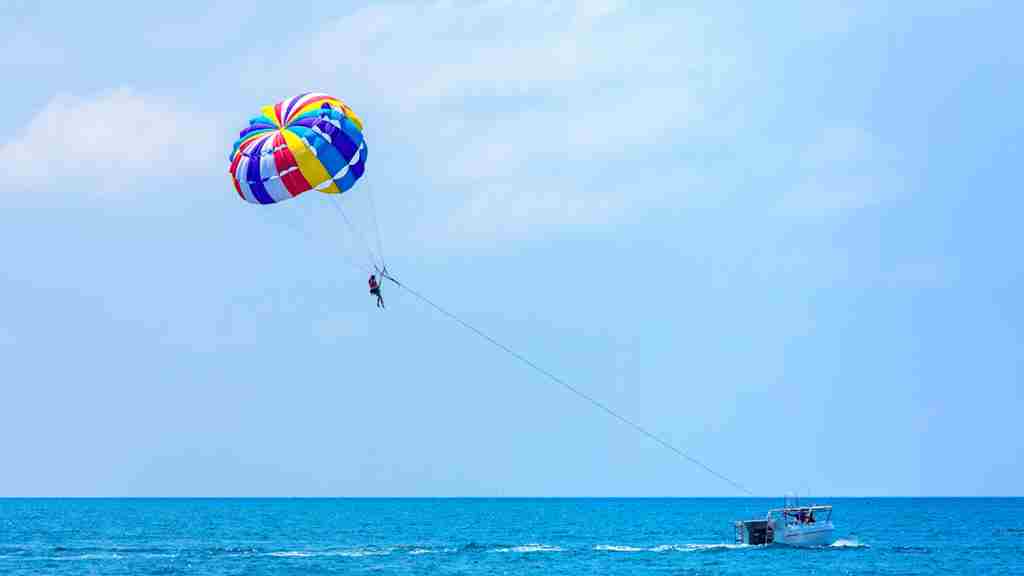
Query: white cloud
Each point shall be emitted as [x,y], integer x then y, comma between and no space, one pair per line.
[513,109]
[108,144]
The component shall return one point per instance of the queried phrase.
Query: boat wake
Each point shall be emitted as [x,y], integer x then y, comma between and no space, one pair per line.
[671,548]
[474,548]
[527,548]
[848,543]
[418,549]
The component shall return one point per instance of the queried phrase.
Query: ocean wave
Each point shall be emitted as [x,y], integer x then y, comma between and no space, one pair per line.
[232,551]
[614,548]
[289,554]
[473,547]
[344,553]
[417,549]
[528,548]
[623,548]
[845,543]
[359,553]
[698,547]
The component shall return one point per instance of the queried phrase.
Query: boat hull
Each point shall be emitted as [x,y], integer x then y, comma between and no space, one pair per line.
[805,535]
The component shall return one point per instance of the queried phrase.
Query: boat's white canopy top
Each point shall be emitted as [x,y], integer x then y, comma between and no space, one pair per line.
[814,513]
[817,508]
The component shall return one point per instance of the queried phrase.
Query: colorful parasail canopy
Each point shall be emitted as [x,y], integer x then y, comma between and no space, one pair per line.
[309,142]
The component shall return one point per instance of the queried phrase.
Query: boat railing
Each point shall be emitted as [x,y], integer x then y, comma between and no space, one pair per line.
[803,514]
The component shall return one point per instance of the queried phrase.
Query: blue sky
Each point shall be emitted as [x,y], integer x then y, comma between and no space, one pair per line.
[785,238]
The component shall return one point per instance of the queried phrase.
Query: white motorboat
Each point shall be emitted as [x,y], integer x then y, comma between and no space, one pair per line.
[793,525]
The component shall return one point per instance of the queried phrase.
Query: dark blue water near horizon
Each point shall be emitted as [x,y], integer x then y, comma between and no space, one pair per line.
[473,536]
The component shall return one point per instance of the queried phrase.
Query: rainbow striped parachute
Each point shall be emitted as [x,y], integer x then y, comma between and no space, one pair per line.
[309,142]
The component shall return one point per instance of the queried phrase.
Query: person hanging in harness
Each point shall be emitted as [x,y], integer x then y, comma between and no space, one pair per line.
[375,290]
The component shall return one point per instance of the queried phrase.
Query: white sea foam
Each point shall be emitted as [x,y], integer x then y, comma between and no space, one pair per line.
[350,553]
[527,548]
[614,548]
[668,548]
[358,553]
[846,543]
[696,547]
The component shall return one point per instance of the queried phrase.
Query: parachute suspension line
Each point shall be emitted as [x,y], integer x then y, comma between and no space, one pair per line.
[571,388]
[350,261]
[374,264]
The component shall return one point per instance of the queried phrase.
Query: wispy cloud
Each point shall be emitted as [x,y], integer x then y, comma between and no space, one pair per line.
[502,102]
[108,143]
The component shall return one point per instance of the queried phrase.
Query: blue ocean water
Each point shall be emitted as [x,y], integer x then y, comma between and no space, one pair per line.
[496,536]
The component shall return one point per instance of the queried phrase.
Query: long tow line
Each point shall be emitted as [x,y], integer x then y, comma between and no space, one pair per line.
[529,363]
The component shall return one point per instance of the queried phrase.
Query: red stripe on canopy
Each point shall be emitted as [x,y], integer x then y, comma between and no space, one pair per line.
[293,181]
